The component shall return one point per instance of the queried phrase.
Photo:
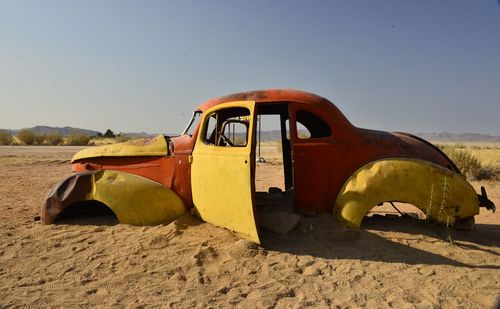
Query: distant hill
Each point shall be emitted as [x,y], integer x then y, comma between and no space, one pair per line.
[64,131]
[138,135]
[462,137]
[270,136]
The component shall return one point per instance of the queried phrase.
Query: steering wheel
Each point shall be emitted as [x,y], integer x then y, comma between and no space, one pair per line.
[227,140]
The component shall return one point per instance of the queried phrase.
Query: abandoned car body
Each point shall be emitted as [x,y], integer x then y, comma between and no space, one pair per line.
[210,168]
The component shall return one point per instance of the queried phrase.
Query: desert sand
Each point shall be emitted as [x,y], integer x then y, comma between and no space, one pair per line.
[398,262]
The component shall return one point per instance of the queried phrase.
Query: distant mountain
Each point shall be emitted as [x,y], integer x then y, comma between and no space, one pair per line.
[64,131]
[462,137]
[270,136]
[137,135]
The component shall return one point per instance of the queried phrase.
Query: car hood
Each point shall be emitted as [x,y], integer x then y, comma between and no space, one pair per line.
[142,147]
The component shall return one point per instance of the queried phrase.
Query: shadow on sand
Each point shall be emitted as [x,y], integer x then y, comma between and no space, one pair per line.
[322,236]
[482,234]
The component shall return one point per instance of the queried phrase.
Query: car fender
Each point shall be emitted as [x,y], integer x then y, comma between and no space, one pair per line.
[133,199]
[443,195]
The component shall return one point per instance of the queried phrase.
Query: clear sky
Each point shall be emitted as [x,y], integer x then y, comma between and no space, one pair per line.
[132,66]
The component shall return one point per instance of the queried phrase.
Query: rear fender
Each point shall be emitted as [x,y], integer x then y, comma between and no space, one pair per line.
[443,195]
[134,199]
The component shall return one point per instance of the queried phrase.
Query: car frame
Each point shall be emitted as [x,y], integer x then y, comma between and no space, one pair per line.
[337,168]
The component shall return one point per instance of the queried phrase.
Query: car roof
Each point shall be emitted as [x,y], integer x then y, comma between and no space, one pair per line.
[269,96]
[327,109]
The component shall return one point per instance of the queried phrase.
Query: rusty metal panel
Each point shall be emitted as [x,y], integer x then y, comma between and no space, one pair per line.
[70,190]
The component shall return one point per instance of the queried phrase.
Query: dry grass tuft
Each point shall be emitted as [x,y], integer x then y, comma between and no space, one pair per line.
[474,161]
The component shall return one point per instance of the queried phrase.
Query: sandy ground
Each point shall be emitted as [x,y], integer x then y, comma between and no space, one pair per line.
[392,262]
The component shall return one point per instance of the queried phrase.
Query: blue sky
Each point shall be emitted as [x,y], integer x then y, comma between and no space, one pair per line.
[417,66]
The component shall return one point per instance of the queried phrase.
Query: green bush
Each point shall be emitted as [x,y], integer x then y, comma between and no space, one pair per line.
[78,140]
[5,138]
[26,136]
[54,139]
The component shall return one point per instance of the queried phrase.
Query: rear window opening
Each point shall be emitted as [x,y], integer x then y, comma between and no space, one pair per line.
[311,126]
[87,212]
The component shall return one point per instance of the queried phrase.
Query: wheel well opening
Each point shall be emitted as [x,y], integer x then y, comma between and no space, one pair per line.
[87,212]
[387,212]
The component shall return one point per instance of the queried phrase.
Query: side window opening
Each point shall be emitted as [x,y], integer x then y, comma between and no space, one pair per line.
[210,129]
[227,127]
[311,126]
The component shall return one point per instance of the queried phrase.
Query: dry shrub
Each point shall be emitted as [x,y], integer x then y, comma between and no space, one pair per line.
[39,139]
[467,163]
[26,136]
[122,137]
[54,139]
[5,138]
[302,134]
[239,141]
[78,140]
[488,172]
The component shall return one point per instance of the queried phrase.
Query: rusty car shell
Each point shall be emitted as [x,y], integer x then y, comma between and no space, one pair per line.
[320,171]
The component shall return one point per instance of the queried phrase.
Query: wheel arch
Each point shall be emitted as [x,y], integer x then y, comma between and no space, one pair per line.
[443,195]
[133,199]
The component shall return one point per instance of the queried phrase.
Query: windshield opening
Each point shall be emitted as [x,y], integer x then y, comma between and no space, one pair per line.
[193,123]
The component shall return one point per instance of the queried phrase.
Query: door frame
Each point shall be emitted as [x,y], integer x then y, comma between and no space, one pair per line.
[223,178]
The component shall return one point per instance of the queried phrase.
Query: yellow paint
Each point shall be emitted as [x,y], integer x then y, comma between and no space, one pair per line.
[222,182]
[151,146]
[441,194]
[135,200]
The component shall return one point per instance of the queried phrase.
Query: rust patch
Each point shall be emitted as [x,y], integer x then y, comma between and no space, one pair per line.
[72,189]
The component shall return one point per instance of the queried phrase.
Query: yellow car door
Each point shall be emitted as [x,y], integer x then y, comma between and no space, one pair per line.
[221,172]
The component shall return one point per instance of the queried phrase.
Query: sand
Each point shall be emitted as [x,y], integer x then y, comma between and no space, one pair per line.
[391,262]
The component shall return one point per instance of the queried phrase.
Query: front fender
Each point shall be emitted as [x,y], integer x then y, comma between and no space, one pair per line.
[134,199]
[443,195]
